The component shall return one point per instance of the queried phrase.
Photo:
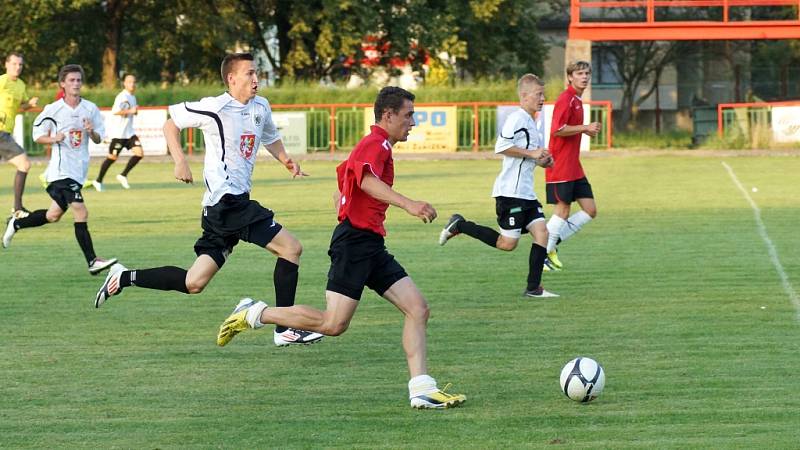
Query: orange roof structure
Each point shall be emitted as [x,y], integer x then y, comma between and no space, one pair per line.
[653,20]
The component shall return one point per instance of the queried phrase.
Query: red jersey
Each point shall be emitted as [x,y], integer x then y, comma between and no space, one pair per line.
[374,154]
[566,151]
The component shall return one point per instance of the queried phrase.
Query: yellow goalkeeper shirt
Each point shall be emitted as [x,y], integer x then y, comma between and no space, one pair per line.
[12,93]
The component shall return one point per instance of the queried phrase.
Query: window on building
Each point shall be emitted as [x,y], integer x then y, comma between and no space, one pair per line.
[605,68]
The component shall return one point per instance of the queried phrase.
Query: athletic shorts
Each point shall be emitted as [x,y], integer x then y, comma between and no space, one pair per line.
[234,218]
[568,191]
[118,145]
[64,192]
[359,258]
[9,147]
[514,214]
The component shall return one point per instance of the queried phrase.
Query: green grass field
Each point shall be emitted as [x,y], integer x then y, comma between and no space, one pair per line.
[671,289]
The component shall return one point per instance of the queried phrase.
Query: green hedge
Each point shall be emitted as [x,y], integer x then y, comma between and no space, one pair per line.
[155,95]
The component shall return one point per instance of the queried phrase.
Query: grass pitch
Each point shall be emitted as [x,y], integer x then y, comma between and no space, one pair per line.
[671,289]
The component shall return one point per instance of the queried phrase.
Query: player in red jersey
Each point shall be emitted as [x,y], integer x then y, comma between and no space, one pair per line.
[565,180]
[359,257]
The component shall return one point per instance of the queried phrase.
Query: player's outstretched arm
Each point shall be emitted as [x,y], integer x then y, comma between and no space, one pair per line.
[173,136]
[379,190]
[278,151]
[517,152]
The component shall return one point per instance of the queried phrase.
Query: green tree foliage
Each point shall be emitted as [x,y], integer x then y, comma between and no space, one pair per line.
[183,40]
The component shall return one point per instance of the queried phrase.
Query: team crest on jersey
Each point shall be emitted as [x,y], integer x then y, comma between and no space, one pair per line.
[257,119]
[75,138]
[247,143]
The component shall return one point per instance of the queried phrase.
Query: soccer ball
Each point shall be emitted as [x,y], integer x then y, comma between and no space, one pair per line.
[582,379]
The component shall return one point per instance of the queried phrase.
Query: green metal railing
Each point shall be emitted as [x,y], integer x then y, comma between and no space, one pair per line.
[348,125]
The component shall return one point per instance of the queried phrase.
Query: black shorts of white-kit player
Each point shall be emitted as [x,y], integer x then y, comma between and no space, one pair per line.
[117,145]
[234,218]
[516,214]
[64,192]
[568,191]
[359,258]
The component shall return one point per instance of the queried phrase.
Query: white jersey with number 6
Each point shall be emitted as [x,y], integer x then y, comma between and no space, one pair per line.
[516,177]
[233,133]
[70,157]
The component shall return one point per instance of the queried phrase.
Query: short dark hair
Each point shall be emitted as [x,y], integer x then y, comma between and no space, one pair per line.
[126,75]
[17,54]
[391,98]
[229,60]
[69,68]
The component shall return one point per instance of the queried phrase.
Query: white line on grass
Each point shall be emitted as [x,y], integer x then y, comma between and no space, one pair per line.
[773,253]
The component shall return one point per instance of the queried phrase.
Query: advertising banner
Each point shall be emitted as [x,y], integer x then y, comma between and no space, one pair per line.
[786,123]
[435,130]
[293,129]
[147,125]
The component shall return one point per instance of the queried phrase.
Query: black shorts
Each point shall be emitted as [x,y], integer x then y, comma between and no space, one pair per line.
[117,145]
[9,147]
[568,191]
[234,218]
[64,192]
[359,258]
[516,214]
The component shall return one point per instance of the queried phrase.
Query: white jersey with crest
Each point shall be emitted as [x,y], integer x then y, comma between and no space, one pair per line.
[70,157]
[121,127]
[516,176]
[233,133]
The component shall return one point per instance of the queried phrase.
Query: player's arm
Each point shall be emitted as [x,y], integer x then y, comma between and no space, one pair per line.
[46,140]
[93,134]
[28,104]
[517,152]
[379,190]
[278,151]
[173,136]
[570,130]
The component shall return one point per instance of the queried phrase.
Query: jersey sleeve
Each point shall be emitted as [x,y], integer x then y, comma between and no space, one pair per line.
[43,124]
[117,107]
[269,133]
[561,115]
[512,125]
[191,114]
[369,159]
[98,123]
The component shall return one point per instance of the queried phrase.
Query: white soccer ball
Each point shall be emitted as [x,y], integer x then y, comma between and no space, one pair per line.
[582,379]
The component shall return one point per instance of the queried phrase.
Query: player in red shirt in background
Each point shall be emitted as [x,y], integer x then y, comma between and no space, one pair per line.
[359,257]
[565,180]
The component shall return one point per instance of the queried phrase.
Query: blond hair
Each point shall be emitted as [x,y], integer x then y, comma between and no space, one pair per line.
[578,65]
[526,81]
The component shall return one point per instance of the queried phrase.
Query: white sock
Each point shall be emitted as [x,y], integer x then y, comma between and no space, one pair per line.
[421,385]
[554,226]
[254,314]
[574,224]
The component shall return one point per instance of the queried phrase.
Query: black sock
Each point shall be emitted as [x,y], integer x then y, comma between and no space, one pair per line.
[19,188]
[285,279]
[85,241]
[484,234]
[131,164]
[103,169]
[535,266]
[35,219]
[167,278]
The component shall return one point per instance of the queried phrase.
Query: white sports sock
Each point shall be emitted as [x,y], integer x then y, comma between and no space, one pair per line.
[421,385]
[574,224]
[254,314]
[554,226]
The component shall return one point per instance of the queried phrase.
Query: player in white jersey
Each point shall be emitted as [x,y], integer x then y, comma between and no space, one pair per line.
[234,124]
[521,142]
[67,125]
[122,134]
